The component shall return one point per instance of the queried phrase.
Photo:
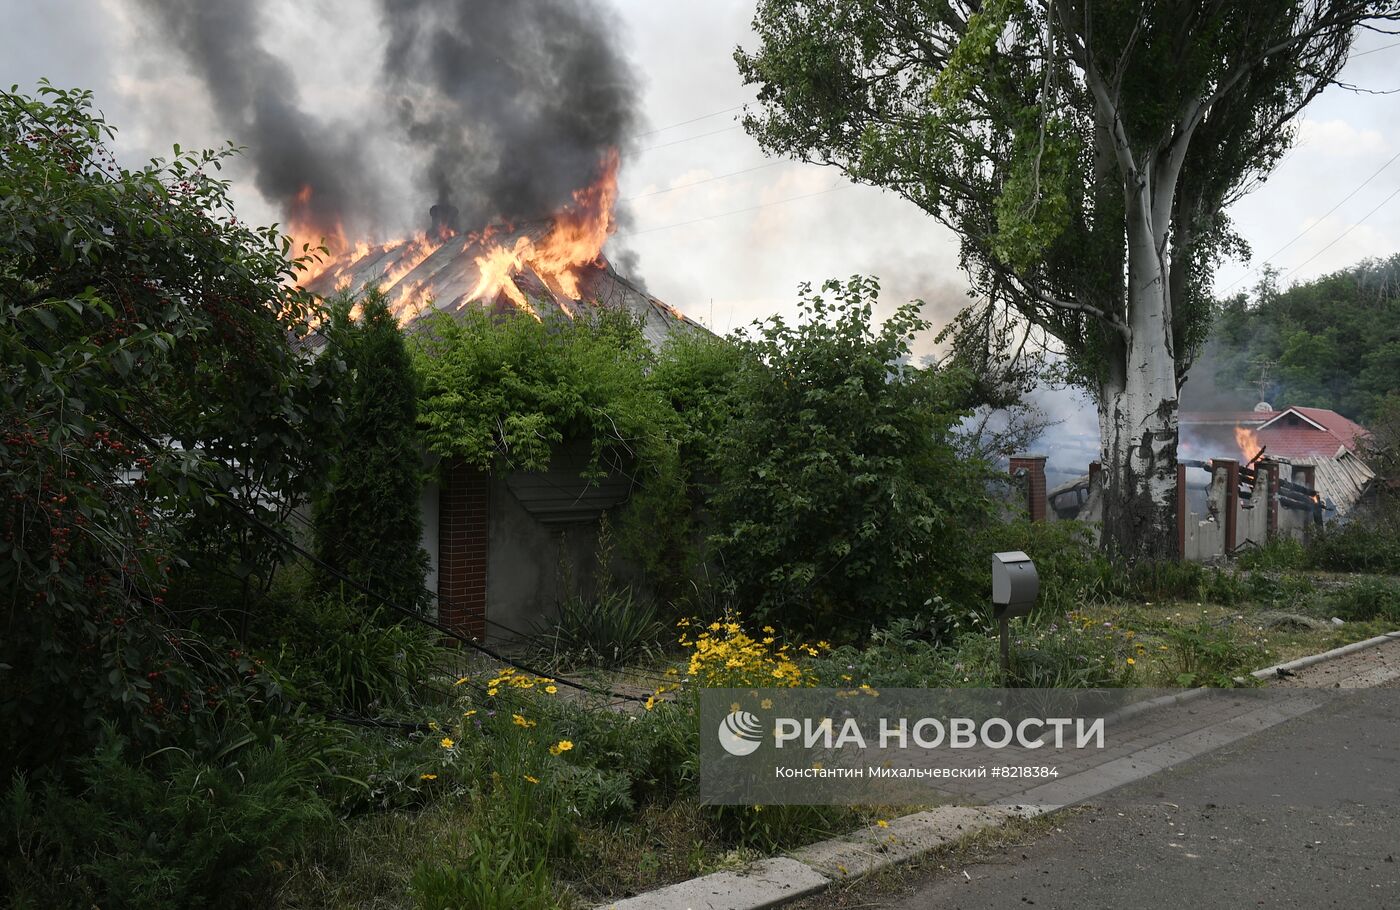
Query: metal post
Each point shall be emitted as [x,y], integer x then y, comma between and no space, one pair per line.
[1005,625]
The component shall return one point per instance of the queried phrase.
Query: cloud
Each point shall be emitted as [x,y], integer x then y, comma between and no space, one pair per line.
[1339,139]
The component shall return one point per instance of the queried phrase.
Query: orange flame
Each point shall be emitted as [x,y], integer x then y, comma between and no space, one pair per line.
[557,256]
[575,240]
[305,232]
[1248,442]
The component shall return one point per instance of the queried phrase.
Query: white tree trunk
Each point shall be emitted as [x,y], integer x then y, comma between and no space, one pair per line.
[1138,404]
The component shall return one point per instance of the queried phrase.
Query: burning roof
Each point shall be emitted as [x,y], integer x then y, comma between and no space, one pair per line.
[548,267]
[1295,432]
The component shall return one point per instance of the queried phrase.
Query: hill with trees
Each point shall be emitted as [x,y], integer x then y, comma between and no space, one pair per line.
[1333,342]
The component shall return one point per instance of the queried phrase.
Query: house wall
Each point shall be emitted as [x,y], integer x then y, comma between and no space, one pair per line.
[511,547]
[532,565]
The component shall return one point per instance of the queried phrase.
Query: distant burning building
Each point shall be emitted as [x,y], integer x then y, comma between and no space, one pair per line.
[1300,436]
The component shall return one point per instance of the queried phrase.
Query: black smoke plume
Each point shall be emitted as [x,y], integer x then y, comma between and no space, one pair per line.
[516,103]
[255,97]
[511,104]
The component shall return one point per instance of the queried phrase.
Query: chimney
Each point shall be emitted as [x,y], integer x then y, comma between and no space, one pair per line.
[1032,467]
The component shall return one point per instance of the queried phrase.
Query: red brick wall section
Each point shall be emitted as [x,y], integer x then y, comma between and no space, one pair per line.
[462,545]
[1034,466]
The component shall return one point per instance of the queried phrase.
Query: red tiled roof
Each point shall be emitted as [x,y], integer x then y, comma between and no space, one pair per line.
[1347,431]
[1303,439]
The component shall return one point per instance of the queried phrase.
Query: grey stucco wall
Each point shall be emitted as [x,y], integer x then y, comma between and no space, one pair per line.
[531,564]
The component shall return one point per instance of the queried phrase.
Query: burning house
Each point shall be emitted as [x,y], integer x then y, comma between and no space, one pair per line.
[510,120]
[496,541]
[548,267]
[1317,438]
[1242,477]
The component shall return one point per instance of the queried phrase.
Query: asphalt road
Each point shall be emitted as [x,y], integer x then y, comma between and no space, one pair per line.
[1305,814]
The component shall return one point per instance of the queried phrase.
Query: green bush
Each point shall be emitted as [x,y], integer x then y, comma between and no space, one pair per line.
[1205,654]
[1072,571]
[1165,579]
[1366,599]
[1279,553]
[1063,652]
[839,497]
[1365,544]
[166,832]
[1069,654]
[368,518]
[497,879]
[1283,590]
[334,651]
[610,629]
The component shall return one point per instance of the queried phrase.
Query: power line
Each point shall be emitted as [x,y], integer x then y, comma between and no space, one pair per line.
[1301,234]
[1381,204]
[686,186]
[1374,50]
[662,129]
[726,129]
[752,208]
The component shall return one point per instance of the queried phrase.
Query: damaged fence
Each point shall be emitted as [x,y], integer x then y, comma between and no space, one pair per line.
[1222,505]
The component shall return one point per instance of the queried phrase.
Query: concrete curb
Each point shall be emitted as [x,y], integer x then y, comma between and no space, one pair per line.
[815,867]
[1343,651]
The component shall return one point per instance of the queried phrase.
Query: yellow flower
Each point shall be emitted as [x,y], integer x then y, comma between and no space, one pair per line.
[882,823]
[447,742]
[427,777]
[651,702]
[469,713]
[492,691]
[551,689]
[520,721]
[460,681]
[563,745]
[1131,661]
[533,780]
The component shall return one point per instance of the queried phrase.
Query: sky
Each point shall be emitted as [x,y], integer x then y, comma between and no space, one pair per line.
[716,229]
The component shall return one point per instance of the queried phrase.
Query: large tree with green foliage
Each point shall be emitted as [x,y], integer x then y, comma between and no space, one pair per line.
[1084,151]
[368,518]
[152,406]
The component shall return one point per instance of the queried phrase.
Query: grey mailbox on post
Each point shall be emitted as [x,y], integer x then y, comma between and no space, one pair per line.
[1015,586]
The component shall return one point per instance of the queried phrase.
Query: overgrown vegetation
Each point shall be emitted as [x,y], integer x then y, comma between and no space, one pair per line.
[194,717]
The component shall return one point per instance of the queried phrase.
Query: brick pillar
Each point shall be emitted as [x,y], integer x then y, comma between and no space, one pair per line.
[462,540]
[1181,506]
[1270,471]
[1034,466]
[1231,467]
